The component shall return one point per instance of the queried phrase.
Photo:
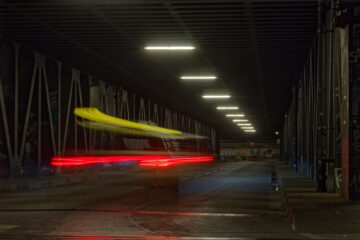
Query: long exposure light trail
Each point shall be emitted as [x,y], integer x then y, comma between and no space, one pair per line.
[144,160]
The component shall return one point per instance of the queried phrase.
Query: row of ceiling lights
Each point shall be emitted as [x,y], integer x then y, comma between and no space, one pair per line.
[237,118]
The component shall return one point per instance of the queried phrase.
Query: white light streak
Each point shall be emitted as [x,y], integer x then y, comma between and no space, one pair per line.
[198,77]
[216,96]
[244,124]
[169,48]
[235,115]
[240,120]
[227,108]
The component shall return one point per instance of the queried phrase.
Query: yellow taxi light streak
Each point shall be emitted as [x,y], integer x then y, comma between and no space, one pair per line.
[117,129]
[94,114]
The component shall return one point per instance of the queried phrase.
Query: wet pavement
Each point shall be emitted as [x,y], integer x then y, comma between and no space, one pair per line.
[218,201]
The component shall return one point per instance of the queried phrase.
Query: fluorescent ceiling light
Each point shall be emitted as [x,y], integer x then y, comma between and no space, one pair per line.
[249,130]
[240,120]
[235,115]
[244,124]
[198,77]
[169,48]
[216,96]
[227,108]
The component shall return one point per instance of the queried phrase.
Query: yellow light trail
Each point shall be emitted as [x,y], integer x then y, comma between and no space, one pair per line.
[118,129]
[93,114]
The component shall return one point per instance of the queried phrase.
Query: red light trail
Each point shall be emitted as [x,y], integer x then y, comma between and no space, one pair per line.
[144,160]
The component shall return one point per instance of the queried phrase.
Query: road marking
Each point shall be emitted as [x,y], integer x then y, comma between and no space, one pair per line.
[310,235]
[144,212]
[4,228]
[78,236]
[193,214]
[213,238]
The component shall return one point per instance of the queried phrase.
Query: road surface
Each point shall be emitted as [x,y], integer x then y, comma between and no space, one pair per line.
[215,201]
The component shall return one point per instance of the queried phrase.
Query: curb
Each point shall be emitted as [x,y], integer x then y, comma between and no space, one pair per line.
[284,196]
[287,204]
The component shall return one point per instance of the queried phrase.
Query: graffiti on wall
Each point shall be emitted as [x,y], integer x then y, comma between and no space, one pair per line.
[354,67]
[249,151]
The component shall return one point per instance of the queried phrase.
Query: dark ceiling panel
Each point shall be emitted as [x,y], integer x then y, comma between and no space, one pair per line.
[256,48]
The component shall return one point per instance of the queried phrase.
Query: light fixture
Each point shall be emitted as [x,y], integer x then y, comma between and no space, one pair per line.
[216,96]
[250,130]
[169,48]
[235,115]
[198,77]
[227,108]
[247,127]
[244,124]
[240,120]
[277,133]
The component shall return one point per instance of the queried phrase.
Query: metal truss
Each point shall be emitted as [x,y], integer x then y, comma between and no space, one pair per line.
[311,130]
[48,122]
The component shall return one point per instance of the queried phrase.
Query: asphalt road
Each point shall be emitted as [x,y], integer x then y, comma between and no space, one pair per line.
[217,201]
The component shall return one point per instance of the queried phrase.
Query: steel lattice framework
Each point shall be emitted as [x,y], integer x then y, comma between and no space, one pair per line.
[38,105]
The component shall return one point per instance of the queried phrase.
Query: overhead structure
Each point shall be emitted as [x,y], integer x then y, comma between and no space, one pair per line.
[255,48]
